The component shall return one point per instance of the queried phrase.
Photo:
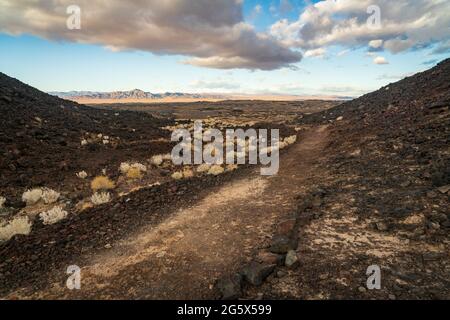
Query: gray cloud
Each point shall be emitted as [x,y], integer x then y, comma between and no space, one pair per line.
[212,33]
[405,25]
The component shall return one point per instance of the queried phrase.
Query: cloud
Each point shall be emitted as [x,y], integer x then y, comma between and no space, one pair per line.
[380,60]
[404,25]
[320,52]
[212,33]
[220,84]
[375,44]
[343,53]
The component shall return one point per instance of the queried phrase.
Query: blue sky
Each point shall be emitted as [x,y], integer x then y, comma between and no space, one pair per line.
[64,65]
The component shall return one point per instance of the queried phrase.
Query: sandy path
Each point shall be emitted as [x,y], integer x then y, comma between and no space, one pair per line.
[182,257]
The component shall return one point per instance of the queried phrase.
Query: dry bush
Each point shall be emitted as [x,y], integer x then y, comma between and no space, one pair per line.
[99,198]
[216,170]
[20,225]
[124,167]
[231,167]
[134,173]
[157,160]
[82,175]
[2,202]
[33,196]
[203,168]
[188,173]
[53,215]
[50,196]
[290,140]
[102,183]
[177,175]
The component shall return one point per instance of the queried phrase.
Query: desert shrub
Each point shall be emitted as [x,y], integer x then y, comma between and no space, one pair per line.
[50,196]
[124,167]
[203,168]
[157,160]
[102,183]
[53,215]
[134,173]
[139,166]
[290,140]
[167,156]
[188,173]
[82,175]
[177,175]
[20,225]
[33,196]
[216,170]
[99,198]
[231,167]
[2,202]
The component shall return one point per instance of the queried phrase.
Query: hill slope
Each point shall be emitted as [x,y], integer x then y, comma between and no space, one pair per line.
[40,138]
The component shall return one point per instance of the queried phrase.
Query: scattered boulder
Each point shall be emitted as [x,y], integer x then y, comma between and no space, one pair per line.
[282,244]
[270,258]
[230,287]
[381,226]
[255,273]
[444,189]
[291,260]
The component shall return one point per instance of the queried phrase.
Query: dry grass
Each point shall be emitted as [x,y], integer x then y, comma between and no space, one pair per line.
[20,225]
[134,174]
[102,183]
[33,196]
[177,175]
[53,215]
[49,196]
[216,170]
[82,175]
[99,198]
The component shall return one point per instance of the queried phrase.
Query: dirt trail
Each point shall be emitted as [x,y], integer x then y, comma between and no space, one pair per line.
[182,257]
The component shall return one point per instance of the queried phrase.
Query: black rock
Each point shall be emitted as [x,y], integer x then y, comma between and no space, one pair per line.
[255,273]
[230,287]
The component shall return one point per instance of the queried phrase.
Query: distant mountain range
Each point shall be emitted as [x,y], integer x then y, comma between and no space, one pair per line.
[135,94]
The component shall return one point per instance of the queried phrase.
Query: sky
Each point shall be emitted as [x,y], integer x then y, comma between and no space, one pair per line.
[342,47]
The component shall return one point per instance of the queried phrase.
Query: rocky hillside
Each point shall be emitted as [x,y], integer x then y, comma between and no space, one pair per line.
[41,136]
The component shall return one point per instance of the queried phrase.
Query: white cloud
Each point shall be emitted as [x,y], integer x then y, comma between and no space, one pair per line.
[376,44]
[343,53]
[380,60]
[217,84]
[404,25]
[320,52]
[213,33]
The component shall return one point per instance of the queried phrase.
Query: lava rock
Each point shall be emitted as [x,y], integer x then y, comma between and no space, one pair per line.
[230,287]
[291,260]
[255,273]
[282,244]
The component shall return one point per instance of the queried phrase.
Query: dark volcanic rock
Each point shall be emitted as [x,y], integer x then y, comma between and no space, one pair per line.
[255,273]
